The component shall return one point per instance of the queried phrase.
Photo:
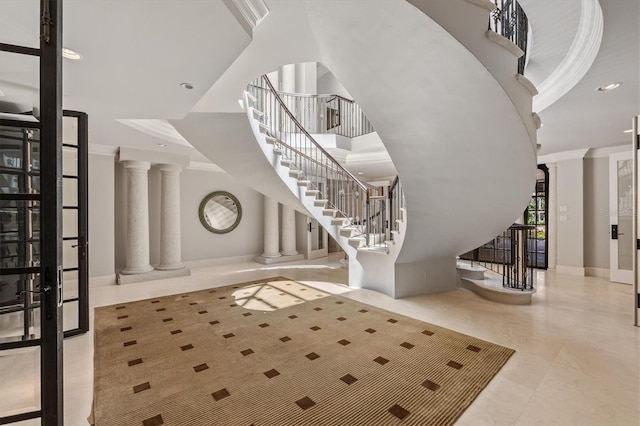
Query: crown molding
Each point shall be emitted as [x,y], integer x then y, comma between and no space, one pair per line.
[206,167]
[105,150]
[576,154]
[606,152]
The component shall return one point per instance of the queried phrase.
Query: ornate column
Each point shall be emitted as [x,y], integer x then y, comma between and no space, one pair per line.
[170,243]
[137,244]
[271,229]
[288,231]
[552,217]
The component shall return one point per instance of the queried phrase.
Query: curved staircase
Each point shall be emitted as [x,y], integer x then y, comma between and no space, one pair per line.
[446,101]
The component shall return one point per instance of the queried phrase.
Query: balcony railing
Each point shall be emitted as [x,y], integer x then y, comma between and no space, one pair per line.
[510,21]
[508,255]
[326,114]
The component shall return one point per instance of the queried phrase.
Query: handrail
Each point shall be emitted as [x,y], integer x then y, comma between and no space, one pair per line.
[308,95]
[304,131]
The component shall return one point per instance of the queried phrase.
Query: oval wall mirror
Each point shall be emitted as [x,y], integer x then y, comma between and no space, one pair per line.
[220,212]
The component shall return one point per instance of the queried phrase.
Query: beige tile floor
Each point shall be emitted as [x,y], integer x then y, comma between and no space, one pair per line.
[577,359]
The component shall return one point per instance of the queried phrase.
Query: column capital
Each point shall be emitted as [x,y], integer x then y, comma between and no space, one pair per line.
[170,168]
[136,165]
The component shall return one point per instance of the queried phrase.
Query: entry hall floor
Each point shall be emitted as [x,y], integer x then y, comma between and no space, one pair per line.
[577,359]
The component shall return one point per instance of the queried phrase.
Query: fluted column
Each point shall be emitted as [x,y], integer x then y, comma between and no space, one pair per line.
[288,231]
[137,247]
[271,228]
[170,243]
[552,217]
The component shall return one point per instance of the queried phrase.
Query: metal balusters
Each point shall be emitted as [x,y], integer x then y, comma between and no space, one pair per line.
[510,21]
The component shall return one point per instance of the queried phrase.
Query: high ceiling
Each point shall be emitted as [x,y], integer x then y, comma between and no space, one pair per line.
[136,53]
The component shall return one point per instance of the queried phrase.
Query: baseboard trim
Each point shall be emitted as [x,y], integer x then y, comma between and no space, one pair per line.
[203,263]
[102,281]
[597,272]
[570,270]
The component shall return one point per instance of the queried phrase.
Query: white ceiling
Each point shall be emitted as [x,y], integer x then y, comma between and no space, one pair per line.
[137,52]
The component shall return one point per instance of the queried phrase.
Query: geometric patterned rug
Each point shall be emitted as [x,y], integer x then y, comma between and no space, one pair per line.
[276,352]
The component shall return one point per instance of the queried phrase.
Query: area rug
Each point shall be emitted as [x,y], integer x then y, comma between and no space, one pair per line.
[211,357]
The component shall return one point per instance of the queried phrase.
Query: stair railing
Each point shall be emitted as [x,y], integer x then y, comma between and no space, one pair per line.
[396,204]
[510,21]
[508,255]
[351,198]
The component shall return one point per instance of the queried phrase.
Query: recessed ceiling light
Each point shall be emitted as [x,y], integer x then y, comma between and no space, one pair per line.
[71,54]
[609,86]
[164,145]
[360,173]
[187,86]
[628,131]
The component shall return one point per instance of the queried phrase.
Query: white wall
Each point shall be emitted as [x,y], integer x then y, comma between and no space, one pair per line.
[328,84]
[596,207]
[570,204]
[101,216]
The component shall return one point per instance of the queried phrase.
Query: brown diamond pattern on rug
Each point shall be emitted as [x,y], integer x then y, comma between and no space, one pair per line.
[341,318]
[339,302]
[120,307]
[285,339]
[399,412]
[363,311]
[123,316]
[193,303]
[233,305]
[134,362]
[228,335]
[430,385]
[161,309]
[427,332]
[186,347]
[348,379]
[153,421]
[184,296]
[370,330]
[201,367]
[214,322]
[203,312]
[292,316]
[141,387]
[155,301]
[392,321]
[212,291]
[263,325]
[473,348]
[222,393]
[176,331]
[407,345]
[271,373]
[314,328]
[247,314]
[317,309]
[381,361]
[312,356]
[222,297]
[246,352]
[455,365]
[305,403]
[129,328]
[344,342]
[167,319]
[130,343]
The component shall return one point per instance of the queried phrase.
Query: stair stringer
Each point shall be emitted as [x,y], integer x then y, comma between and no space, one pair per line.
[467,22]
[368,268]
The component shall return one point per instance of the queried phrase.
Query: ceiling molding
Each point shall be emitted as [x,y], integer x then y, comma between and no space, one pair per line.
[157,128]
[576,154]
[106,150]
[582,53]
[606,152]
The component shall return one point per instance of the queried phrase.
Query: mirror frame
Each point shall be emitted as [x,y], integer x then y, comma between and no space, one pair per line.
[203,220]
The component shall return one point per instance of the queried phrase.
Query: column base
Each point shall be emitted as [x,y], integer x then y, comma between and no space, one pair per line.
[152,275]
[170,267]
[289,253]
[280,259]
[135,271]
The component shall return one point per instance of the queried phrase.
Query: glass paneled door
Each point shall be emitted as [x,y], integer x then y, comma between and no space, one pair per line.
[621,217]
